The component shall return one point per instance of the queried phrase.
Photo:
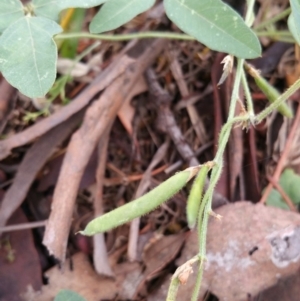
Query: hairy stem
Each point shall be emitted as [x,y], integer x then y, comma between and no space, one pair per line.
[281,99]
[235,91]
[248,96]
[173,289]
[198,281]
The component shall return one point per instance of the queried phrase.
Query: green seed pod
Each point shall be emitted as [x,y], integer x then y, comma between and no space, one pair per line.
[140,206]
[195,197]
[271,93]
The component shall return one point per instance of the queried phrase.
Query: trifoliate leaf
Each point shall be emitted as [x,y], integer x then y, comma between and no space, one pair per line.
[10,11]
[293,28]
[295,21]
[216,25]
[115,13]
[51,8]
[28,55]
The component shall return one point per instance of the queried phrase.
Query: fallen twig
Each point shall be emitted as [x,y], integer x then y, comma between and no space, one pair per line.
[83,142]
[162,100]
[100,256]
[25,226]
[184,91]
[142,189]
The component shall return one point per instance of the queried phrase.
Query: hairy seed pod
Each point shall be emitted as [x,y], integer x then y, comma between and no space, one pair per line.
[140,206]
[270,92]
[195,197]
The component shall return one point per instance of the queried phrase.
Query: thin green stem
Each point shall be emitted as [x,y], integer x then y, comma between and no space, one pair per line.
[287,39]
[198,281]
[275,33]
[125,37]
[273,20]
[235,90]
[173,289]
[202,228]
[180,276]
[249,12]
[248,96]
[205,207]
[283,97]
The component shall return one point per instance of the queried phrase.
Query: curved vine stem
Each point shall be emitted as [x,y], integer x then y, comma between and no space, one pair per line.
[125,37]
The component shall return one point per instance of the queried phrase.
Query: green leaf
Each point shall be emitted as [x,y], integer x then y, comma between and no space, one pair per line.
[293,28]
[295,6]
[10,11]
[290,183]
[51,8]
[67,295]
[115,13]
[214,24]
[28,55]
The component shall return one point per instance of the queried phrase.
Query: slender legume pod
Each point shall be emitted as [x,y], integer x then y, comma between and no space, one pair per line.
[271,93]
[140,206]
[195,197]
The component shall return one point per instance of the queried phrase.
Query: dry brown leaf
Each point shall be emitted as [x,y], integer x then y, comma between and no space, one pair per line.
[81,278]
[127,111]
[161,251]
[19,261]
[128,276]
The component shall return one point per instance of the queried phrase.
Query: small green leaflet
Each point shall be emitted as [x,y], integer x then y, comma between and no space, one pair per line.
[10,11]
[51,8]
[294,20]
[293,29]
[290,183]
[295,6]
[28,55]
[115,13]
[68,295]
[216,25]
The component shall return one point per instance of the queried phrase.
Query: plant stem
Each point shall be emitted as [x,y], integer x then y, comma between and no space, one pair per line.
[125,37]
[283,97]
[276,18]
[173,289]
[249,12]
[207,199]
[248,96]
[275,33]
[198,281]
[233,100]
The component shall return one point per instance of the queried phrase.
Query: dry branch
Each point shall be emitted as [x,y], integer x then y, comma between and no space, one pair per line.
[184,91]
[162,99]
[83,142]
[100,256]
